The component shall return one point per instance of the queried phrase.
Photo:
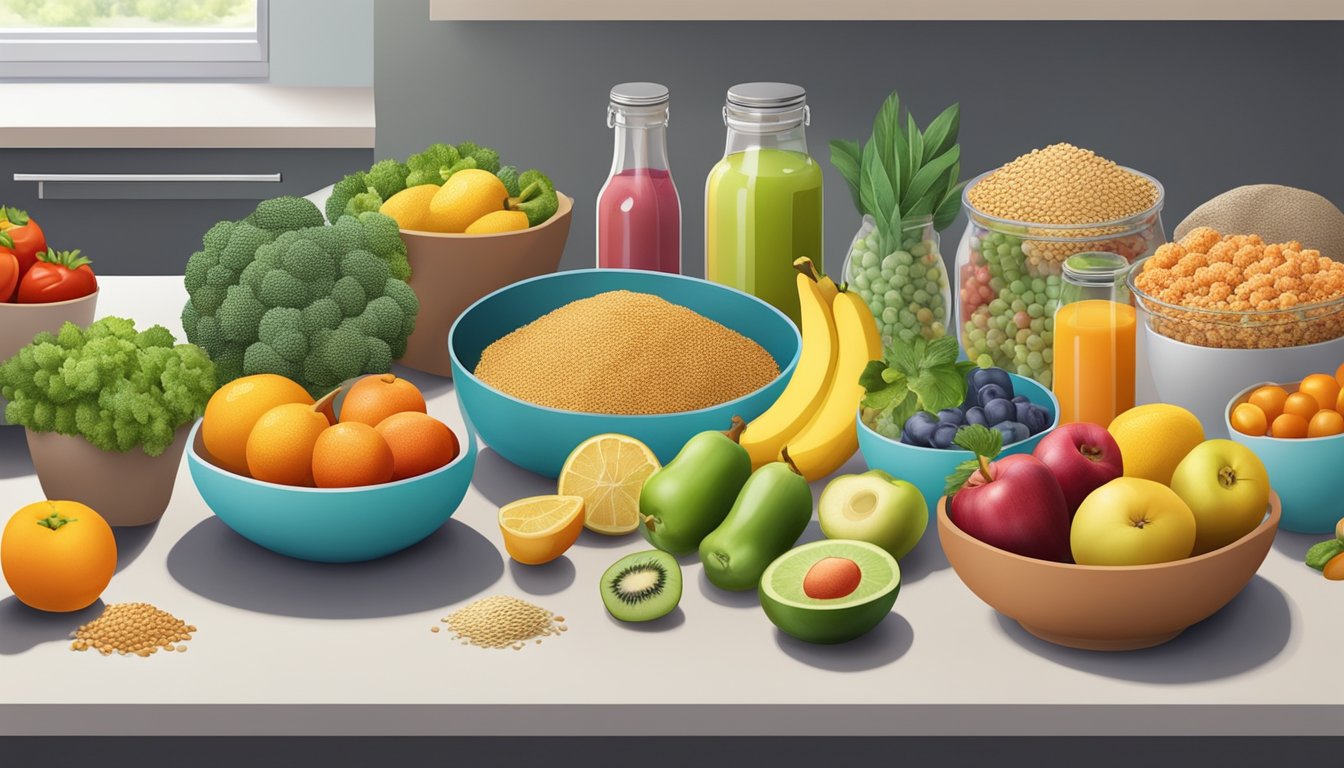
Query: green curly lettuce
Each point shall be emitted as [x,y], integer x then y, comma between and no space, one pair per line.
[109,384]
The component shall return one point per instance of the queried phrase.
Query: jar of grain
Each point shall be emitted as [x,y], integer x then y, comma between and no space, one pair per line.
[1024,220]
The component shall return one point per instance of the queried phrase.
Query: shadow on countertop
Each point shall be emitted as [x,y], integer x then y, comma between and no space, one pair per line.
[501,482]
[545,579]
[23,628]
[131,542]
[1295,545]
[886,643]
[14,458]
[453,564]
[1247,633]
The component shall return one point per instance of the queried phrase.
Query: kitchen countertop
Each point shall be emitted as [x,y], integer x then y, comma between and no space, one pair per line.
[186,115]
[292,648]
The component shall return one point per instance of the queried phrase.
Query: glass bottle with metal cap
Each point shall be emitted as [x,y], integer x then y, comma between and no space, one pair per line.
[1094,337]
[763,199]
[638,211]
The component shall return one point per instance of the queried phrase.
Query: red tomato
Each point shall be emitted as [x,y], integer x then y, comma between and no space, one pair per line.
[28,242]
[9,272]
[57,277]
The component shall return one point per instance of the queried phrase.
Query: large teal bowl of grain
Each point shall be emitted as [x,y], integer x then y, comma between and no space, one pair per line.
[667,357]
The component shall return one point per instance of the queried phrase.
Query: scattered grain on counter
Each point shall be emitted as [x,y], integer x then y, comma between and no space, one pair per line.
[137,629]
[624,352]
[1063,184]
[501,621]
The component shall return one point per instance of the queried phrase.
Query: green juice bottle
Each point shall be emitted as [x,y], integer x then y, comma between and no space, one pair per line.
[763,199]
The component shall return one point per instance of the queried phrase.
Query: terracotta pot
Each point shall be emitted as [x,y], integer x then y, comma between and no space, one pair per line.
[125,488]
[19,323]
[1106,608]
[450,272]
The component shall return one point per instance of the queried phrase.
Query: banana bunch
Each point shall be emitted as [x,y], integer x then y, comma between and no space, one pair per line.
[815,419]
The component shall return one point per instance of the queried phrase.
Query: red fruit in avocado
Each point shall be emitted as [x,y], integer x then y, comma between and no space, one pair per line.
[1019,507]
[831,578]
[1083,457]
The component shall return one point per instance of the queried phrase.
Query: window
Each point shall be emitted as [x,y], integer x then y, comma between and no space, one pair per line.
[133,39]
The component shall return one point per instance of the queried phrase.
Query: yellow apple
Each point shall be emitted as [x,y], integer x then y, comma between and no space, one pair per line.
[1132,521]
[1225,484]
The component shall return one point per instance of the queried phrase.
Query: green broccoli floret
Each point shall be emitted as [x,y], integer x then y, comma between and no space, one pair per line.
[486,159]
[282,214]
[387,177]
[509,175]
[382,237]
[424,167]
[537,198]
[466,163]
[343,191]
[368,200]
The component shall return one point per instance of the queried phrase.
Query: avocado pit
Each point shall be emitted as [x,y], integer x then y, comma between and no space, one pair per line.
[831,578]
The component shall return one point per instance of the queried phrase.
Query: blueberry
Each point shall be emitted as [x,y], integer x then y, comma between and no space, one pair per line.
[1020,399]
[991,392]
[920,427]
[943,435]
[1000,410]
[980,377]
[1037,420]
[905,438]
[976,415]
[951,416]
[1012,431]
[1023,412]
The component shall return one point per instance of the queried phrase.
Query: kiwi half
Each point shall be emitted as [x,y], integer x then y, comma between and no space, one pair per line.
[642,587]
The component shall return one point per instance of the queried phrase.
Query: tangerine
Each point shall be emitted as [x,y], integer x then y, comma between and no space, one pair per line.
[419,442]
[351,454]
[1248,419]
[374,398]
[1325,423]
[1321,386]
[235,408]
[1339,374]
[1302,404]
[1288,426]
[280,446]
[1269,399]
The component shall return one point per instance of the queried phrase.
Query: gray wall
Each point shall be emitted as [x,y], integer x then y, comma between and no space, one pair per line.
[322,42]
[1201,106]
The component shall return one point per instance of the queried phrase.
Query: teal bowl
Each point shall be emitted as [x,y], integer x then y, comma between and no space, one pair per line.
[928,468]
[332,525]
[539,438]
[1303,472]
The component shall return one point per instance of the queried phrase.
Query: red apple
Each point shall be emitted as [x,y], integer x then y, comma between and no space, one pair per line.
[1083,457]
[1021,509]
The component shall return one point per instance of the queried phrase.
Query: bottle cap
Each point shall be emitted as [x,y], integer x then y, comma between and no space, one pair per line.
[767,96]
[639,94]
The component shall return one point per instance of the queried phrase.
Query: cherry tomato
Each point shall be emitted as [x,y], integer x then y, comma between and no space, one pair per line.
[1269,399]
[1301,404]
[1325,423]
[1248,419]
[28,242]
[1289,425]
[57,277]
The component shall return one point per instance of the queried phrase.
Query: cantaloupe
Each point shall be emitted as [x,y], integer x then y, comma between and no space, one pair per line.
[1276,213]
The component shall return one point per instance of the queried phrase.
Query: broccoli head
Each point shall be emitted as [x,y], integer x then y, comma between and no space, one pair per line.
[486,159]
[425,167]
[314,302]
[509,175]
[387,177]
[343,191]
[537,198]
[365,201]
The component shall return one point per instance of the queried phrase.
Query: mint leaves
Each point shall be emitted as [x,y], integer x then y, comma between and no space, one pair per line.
[985,443]
[919,376]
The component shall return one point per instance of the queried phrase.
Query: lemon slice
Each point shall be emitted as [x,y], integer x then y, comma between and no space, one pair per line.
[608,471]
[539,529]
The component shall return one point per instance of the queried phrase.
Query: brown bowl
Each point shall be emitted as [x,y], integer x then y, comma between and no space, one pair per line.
[449,272]
[1106,608]
[19,323]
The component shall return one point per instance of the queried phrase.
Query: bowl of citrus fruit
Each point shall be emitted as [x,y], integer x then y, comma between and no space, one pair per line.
[1297,430]
[357,474]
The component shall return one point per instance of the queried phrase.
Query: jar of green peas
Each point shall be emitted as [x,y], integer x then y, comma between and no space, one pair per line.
[905,283]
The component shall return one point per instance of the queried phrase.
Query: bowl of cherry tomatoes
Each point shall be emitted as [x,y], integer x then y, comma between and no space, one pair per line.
[40,288]
[1297,430]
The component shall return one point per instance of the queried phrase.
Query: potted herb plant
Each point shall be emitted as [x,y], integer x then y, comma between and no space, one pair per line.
[107,410]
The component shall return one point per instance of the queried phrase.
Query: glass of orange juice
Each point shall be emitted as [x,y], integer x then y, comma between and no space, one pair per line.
[1093,344]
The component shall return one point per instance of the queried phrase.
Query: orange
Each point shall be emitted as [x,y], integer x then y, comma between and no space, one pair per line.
[1301,404]
[351,454]
[1248,419]
[235,407]
[1339,401]
[58,555]
[280,447]
[1321,386]
[539,529]
[374,398]
[1288,425]
[1325,423]
[420,443]
[1269,399]
[1339,374]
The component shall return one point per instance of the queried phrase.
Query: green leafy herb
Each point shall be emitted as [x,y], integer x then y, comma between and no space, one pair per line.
[919,376]
[845,156]
[985,443]
[1322,553]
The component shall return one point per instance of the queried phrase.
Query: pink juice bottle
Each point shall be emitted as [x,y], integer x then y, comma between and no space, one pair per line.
[638,212]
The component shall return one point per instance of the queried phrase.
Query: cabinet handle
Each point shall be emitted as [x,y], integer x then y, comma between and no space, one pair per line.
[152,186]
[152,177]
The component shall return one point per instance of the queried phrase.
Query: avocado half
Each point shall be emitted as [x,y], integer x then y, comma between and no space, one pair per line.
[835,620]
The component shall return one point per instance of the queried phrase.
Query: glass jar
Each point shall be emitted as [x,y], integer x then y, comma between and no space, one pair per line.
[1009,279]
[905,283]
[763,199]
[638,211]
[1094,338]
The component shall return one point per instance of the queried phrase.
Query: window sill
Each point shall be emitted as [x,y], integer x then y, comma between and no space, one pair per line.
[186,115]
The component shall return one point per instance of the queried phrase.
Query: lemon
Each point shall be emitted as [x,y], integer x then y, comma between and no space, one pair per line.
[498,221]
[608,471]
[1154,438]
[410,207]
[465,197]
[539,529]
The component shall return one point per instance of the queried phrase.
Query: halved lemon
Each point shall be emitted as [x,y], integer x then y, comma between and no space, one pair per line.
[539,529]
[608,471]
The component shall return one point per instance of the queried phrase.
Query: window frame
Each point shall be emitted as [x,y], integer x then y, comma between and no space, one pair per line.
[160,54]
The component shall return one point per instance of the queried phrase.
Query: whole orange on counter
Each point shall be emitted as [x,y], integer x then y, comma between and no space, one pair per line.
[58,556]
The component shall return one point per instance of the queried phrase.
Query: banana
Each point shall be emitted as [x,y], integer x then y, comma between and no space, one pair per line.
[831,437]
[765,435]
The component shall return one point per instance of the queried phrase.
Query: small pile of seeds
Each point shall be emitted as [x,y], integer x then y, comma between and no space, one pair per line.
[624,352]
[502,621]
[137,629]
[1062,184]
